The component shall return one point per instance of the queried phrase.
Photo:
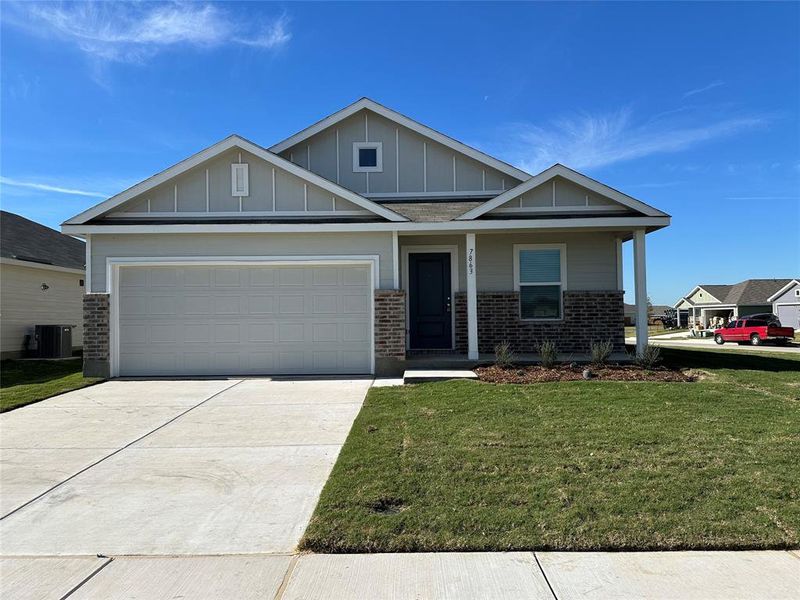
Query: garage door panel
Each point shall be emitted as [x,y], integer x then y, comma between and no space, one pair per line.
[215,321]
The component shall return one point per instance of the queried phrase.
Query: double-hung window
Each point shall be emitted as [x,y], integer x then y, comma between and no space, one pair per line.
[540,277]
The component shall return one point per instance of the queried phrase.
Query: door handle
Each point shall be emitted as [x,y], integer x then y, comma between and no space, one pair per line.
[447,304]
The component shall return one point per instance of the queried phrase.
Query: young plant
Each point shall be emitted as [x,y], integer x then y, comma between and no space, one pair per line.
[648,358]
[548,352]
[600,352]
[503,355]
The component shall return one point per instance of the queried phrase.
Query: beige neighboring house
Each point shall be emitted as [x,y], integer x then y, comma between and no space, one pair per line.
[41,282]
[360,244]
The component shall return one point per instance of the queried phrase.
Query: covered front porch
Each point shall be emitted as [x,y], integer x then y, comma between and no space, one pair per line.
[465,292]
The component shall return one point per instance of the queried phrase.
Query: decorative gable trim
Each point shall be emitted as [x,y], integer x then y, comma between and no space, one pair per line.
[217,149]
[570,175]
[424,130]
[783,290]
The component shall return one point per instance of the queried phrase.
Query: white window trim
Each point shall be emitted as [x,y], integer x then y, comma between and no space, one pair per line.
[562,248]
[378,168]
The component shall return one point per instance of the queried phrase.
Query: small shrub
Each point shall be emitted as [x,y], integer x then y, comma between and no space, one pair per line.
[503,355]
[648,358]
[600,352]
[548,353]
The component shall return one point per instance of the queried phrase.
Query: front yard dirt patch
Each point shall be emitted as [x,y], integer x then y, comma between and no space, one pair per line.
[537,374]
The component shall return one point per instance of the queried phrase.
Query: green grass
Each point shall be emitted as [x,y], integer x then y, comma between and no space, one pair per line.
[25,381]
[574,465]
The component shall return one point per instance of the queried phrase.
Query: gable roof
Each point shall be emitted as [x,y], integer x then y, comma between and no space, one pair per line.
[783,290]
[559,170]
[747,292]
[25,240]
[216,149]
[400,119]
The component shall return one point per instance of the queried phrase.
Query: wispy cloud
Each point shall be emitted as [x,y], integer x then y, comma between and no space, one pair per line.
[44,187]
[587,141]
[135,32]
[705,88]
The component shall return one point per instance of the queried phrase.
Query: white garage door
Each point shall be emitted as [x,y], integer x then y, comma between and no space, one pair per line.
[789,315]
[225,320]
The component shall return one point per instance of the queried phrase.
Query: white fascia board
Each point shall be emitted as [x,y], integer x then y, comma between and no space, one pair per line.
[233,141]
[396,117]
[581,224]
[34,265]
[570,175]
[783,290]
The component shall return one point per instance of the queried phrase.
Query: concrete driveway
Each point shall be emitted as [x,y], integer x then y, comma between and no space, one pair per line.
[171,467]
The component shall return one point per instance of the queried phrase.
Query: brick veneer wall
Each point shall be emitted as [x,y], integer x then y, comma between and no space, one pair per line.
[588,316]
[96,335]
[390,324]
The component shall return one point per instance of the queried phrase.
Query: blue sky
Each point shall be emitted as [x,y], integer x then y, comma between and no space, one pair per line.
[694,108]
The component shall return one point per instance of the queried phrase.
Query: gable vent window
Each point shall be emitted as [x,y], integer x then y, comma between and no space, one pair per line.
[240,185]
[367,157]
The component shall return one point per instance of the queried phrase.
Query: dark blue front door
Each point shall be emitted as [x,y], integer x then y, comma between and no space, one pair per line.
[429,300]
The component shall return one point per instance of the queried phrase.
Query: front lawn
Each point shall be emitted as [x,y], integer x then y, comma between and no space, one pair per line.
[25,381]
[573,465]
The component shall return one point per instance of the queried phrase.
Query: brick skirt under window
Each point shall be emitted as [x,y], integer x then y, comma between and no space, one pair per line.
[588,317]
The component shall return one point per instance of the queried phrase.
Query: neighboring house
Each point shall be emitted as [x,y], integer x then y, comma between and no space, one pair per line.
[707,302]
[657,311]
[41,282]
[786,304]
[361,239]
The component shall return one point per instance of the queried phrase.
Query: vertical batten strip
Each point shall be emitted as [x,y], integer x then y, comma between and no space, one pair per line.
[337,156]
[454,172]
[308,157]
[208,193]
[333,203]
[305,197]
[175,197]
[274,199]
[424,166]
[483,180]
[366,139]
[397,158]
[554,192]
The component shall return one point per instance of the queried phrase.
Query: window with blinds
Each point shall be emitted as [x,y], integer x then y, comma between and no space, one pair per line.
[539,278]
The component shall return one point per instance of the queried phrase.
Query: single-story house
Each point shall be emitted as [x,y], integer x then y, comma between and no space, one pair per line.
[786,304]
[41,283]
[365,238]
[708,303]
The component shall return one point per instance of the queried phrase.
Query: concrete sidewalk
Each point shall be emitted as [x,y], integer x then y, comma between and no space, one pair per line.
[443,576]
[709,344]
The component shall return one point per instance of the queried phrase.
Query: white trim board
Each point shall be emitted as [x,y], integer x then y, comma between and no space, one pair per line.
[500,226]
[233,141]
[396,117]
[451,249]
[113,265]
[570,175]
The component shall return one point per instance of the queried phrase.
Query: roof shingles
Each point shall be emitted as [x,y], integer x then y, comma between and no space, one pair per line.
[23,239]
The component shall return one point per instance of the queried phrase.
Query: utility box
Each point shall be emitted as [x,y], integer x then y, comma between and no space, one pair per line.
[53,341]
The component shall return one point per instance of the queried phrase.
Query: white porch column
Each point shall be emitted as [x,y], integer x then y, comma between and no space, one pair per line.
[640,280]
[678,317]
[472,300]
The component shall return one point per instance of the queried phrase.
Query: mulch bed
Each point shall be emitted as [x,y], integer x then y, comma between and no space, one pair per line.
[538,374]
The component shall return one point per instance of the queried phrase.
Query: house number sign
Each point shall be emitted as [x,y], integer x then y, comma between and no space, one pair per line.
[471,261]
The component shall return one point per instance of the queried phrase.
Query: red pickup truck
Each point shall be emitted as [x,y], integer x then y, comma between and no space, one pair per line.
[754,331]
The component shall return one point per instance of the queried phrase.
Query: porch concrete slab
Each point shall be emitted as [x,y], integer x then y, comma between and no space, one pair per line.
[219,425]
[424,376]
[139,393]
[296,391]
[81,427]
[44,578]
[25,473]
[165,501]
[445,576]
[207,577]
[669,575]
